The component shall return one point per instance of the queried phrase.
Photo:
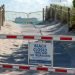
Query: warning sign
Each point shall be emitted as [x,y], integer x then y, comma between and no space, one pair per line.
[41,53]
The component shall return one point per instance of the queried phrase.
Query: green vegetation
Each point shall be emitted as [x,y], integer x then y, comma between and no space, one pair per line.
[74,3]
[61,13]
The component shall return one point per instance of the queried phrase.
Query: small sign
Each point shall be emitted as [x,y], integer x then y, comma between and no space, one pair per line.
[41,53]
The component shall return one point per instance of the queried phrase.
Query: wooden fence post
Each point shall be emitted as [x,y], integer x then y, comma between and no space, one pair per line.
[46,14]
[0,17]
[61,14]
[3,16]
[43,14]
[51,11]
[69,20]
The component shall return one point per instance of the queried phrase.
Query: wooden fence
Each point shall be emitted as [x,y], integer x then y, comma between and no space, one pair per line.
[63,14]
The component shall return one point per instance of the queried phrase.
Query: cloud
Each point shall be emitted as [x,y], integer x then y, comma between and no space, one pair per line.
[34,2]
[63,2]
[22,1]
[28,5]
[69,3]
[29,1]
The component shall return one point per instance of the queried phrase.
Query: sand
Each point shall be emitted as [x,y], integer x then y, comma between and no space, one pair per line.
[6,45]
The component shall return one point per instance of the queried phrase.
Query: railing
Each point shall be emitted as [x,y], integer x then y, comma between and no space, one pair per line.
[59,53]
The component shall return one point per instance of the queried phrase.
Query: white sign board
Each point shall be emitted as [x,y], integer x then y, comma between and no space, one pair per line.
[41,53]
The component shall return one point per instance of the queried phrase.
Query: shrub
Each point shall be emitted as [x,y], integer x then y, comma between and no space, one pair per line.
[74,3]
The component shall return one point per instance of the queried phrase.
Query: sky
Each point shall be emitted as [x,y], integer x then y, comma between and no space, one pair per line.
[29,5]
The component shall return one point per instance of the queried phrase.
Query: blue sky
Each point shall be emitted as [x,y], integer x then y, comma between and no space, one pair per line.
[24,5]
[27,5]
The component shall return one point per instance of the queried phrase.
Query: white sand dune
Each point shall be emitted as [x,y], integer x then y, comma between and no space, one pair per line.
[29,29]
[10,28]
[14,29]
[50,27]
[6,44]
